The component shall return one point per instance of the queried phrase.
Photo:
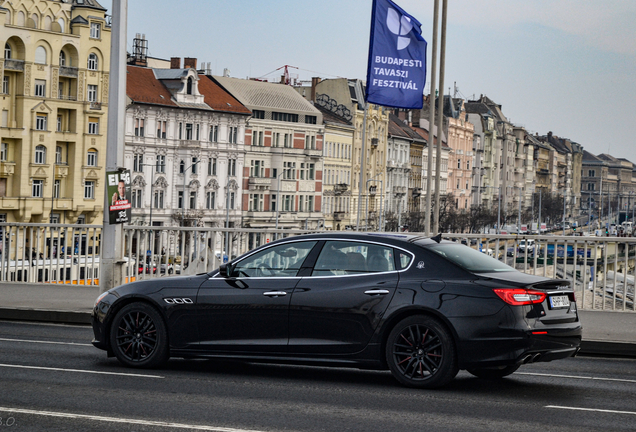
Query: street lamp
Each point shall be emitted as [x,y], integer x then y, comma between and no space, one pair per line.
[183,196]
[381,196]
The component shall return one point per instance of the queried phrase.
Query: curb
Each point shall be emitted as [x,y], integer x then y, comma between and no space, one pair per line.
[49,316]
[608,348]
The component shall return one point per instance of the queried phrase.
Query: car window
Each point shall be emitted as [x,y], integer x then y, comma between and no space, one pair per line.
[404,259]
[346,257]
[278,261]
[469,259]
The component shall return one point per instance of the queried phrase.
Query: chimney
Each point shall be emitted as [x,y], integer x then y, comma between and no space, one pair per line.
[175,62]
[314,83]
[190,62]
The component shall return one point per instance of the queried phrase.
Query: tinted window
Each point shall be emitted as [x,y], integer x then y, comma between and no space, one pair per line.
[470,259]
[278,261]
[404,259]
[346,257]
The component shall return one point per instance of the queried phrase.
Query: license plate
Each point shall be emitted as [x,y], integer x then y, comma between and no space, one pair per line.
[559,301]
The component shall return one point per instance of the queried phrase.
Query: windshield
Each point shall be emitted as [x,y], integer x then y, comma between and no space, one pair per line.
[470,259]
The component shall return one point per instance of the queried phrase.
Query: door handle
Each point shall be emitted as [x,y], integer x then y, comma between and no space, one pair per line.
[275,293]
[377,292]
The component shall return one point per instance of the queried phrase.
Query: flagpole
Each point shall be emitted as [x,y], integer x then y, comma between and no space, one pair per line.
[440,115]
[431,121]
[362,165]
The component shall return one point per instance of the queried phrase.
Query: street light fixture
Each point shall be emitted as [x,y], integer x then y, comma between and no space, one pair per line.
[381,197]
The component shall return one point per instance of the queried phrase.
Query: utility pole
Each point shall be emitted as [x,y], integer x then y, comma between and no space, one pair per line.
[431,121]
[112,235]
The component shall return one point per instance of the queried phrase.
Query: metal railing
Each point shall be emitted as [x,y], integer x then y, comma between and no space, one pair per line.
[601,269]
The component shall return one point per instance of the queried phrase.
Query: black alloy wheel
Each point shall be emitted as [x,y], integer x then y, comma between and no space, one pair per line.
[421,353]
[494,372]
[138,336]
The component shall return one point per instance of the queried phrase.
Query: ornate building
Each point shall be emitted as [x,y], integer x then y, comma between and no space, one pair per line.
[53,110]
[184,148]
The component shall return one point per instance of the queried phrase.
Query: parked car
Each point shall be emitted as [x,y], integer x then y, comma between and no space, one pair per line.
[423,308]
[526,244]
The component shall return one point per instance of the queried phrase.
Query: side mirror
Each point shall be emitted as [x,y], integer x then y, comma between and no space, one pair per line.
[224,271]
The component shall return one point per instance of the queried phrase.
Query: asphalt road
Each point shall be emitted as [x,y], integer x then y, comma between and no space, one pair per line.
[52,379]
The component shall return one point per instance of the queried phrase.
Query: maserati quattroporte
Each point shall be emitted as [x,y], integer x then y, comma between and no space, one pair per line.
[423,308]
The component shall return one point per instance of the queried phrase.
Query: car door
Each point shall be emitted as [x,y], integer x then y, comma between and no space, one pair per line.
[337,308]
[248,312]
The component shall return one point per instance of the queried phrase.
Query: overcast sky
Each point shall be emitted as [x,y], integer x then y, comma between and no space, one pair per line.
[566,66]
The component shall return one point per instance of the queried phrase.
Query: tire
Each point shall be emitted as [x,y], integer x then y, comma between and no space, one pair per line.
[421,353]
[495,372]
[138,336]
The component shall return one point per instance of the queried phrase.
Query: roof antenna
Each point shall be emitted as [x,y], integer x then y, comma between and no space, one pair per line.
[437,238]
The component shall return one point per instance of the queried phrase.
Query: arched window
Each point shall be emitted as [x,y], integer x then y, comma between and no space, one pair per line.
[62,24]
[40,155]
[7,51]
[7,19]
[189,86]
[36,20]
[40,55]
[47,23]
[91,158]
[20,20]
[92,61]
[62,58]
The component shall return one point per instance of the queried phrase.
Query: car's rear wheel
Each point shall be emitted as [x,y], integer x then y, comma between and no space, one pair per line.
[495,372]
[138,336]
[421,353]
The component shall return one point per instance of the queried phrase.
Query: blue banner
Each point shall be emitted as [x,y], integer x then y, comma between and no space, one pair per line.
[396,72]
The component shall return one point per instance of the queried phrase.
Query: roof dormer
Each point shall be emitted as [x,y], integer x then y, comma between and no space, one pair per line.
[182,83]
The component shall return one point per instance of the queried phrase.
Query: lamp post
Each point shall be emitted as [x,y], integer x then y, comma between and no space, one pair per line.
[227,217]
[184,183]
[278,195]
[498,206]
[381,195]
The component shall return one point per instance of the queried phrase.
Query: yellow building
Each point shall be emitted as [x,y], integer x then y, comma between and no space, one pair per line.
[53,110]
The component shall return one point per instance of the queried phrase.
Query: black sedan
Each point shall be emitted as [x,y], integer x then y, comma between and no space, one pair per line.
[422,307]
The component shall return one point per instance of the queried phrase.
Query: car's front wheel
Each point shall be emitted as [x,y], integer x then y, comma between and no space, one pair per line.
[138,336]
[421,352]
[495,372]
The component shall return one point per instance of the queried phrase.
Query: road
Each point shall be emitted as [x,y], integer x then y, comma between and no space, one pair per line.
[53,379]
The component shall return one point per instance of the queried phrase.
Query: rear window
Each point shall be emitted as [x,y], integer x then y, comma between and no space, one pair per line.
[470,259]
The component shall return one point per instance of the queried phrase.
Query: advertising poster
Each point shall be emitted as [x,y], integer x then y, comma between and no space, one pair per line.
[118,193]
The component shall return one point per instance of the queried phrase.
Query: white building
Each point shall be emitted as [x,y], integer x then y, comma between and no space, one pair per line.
[184,148]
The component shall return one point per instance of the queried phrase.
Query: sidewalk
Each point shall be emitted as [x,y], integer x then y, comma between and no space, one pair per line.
[604,332]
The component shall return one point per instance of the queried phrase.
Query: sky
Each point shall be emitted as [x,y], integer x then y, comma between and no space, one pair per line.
[565,66]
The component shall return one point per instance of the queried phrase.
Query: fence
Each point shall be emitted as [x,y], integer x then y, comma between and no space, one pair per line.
[601,268]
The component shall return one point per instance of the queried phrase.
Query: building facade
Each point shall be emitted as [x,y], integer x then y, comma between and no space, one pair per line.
[55,79]
[184,148]
[283,173]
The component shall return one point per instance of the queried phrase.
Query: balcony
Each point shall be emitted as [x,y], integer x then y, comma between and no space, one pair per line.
[96,106]
[373,190]
[340,188]
[374,142]
[312,153]
[339,215]
[7,168]
[543,171]
[416,192]
[260,183]
[69,72]
[14,65]
[399,190]
[67,98]
[61,170]
[189,144]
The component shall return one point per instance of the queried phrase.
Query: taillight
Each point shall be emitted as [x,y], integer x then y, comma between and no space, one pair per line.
[520,296]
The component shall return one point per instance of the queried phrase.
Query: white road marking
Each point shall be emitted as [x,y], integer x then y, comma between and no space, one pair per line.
[123,420]
[576,377]
[592,409]
[79,370]
[44,342]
